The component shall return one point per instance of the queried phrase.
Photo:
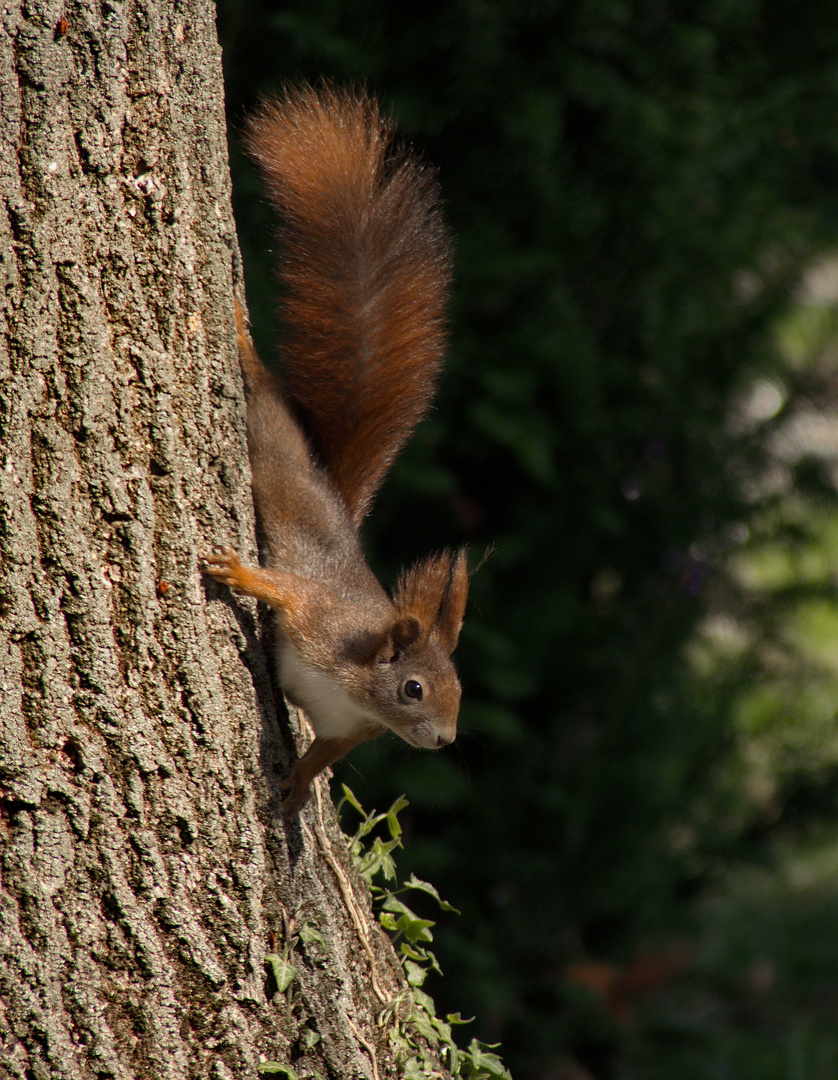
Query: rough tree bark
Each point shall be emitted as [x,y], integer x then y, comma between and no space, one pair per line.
[146,870]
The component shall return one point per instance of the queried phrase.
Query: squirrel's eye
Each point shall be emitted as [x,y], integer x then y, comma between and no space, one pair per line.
[413,689]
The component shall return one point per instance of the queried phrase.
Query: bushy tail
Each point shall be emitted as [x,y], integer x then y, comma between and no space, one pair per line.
[365,267]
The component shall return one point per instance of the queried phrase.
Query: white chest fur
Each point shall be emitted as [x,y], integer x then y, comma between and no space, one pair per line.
[332,712]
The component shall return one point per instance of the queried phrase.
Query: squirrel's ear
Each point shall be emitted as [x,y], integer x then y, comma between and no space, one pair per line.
[433,595]
[452,609]
[420,590]
[404,632]
[388,644]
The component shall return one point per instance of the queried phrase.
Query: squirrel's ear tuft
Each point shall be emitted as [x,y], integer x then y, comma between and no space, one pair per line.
[453,606]
[433,594]
[419,591]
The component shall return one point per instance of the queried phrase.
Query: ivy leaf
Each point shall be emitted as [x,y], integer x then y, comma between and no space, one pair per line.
[414,1069]
[423,1024]
[308,932]
[484,1064]
[424,1001]
[399,919]
[399,1042]
[392,816]
[413,882]
[276,1068]
[283,972]
[349,796]
[311,1038]
[443,1030]
[421,956]
[414,974]
[379,860]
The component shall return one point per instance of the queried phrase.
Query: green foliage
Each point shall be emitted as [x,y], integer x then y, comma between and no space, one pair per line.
[276,1068]
[283,972]
[648,658]
[404,1019]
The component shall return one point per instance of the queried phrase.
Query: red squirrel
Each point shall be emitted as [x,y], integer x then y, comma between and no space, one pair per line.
[364,272]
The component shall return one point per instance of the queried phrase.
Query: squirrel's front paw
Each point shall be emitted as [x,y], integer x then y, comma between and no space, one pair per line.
[299,792]
[225,566]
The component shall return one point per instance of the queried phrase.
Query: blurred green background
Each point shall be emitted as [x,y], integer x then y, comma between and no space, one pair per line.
[639,412]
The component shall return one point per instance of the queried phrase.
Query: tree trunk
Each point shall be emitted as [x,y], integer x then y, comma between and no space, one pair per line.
[146,869]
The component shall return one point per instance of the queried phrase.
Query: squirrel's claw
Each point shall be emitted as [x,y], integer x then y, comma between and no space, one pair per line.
[299,793]
[224,566]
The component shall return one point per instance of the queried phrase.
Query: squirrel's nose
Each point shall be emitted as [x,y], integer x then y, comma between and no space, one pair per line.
[446,738]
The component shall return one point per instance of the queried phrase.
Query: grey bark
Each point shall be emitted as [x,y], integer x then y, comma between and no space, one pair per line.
[146,870]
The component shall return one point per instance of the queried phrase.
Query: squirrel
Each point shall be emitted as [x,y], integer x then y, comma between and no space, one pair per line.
[364,275]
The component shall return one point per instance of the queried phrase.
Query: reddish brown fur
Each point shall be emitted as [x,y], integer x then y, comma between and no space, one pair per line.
[365,271]
[453,607]
[434,591]
[365,268]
